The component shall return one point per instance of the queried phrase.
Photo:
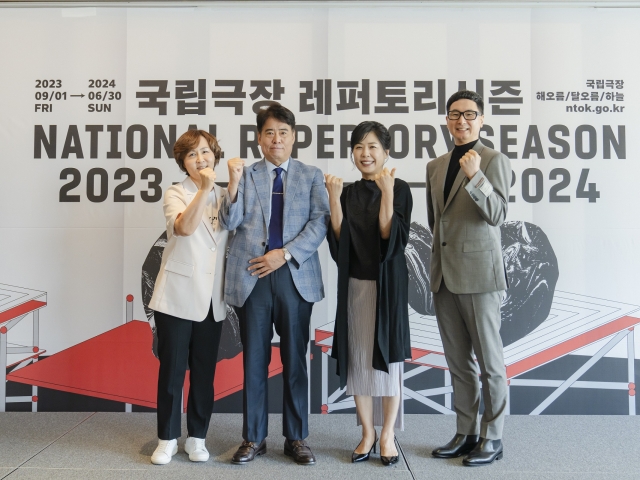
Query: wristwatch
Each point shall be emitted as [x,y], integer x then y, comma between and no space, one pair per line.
[287,255]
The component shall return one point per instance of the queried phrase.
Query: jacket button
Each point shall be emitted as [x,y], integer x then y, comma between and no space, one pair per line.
[213,249]
[263,244]
[444,244]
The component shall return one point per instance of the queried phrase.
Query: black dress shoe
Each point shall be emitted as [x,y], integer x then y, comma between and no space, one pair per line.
[484,454]
[459,445]
[363,457]
[248,451]
[299,451]
[386,461]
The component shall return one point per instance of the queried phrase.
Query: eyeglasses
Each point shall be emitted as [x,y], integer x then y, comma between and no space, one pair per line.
[468,115]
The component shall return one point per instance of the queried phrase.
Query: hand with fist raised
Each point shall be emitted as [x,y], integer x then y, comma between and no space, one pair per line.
[470,163]
[334,186]
[207,179]
[236,168]
[385,180]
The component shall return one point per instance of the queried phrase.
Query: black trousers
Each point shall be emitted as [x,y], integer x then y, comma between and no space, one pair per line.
[275,301]
[181,343]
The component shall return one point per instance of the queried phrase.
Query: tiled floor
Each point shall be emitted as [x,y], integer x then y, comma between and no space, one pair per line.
[118,445]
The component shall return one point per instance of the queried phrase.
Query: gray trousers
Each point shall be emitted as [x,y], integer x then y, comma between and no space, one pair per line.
[470,323]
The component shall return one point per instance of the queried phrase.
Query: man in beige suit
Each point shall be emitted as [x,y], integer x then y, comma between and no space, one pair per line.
[467,199]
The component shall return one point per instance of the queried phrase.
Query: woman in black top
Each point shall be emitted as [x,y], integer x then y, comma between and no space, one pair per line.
[369,231]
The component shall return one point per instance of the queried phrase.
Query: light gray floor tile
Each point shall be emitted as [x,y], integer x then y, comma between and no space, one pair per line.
[482,473]
[161,473]
[118,445]
[126,441]
[22,434]
[534,446]
[104,441]
[4,472]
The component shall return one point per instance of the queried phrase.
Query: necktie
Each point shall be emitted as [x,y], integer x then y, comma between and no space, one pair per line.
[277,207]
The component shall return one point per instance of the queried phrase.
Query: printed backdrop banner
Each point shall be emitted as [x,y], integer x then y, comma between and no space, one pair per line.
[92,100]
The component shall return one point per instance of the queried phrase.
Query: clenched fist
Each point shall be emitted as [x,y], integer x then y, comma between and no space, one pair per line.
[207,179]
[334,186]
[385,180]
[236,167]
[470,163]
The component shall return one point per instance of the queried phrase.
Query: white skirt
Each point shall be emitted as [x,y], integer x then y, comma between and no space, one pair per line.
[362,378]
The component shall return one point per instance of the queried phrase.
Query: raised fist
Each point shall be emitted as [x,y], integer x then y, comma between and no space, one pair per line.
[236,167]
[207,179]
[385,180]
[334,186]
[470,163]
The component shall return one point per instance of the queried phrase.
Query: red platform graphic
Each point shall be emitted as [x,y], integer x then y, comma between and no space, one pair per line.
[575,321]
[119,365]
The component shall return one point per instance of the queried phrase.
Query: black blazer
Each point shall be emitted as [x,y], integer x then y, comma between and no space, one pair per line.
[392,342]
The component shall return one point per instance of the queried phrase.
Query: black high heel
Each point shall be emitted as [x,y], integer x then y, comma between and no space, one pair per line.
[363,457]
[386,461]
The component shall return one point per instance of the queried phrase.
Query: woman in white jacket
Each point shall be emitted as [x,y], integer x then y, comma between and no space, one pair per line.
[188,297]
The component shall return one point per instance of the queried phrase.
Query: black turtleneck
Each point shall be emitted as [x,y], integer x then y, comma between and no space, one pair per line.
[454,166]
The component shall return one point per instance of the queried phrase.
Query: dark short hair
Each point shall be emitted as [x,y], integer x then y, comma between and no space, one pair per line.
[189,140]
[277,111]
[466,95]
[364,128]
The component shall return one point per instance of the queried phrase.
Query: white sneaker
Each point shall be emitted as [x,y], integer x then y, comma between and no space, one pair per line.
[164,451]
[196,449]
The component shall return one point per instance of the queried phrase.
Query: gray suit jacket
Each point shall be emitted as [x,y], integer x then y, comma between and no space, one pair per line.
[306,216]
[467,249]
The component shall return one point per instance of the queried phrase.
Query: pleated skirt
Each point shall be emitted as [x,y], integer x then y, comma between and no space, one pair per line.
[362,378]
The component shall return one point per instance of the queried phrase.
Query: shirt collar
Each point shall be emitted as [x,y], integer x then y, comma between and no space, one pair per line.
[271,167]
[190,186]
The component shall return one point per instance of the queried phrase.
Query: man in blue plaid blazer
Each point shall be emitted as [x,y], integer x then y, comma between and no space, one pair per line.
[279,209]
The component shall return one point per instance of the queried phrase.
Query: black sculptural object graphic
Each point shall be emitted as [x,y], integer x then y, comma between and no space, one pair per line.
[418,255]
[532,271]
[230,344]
